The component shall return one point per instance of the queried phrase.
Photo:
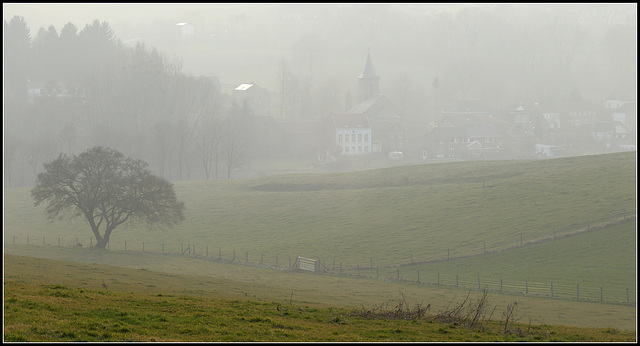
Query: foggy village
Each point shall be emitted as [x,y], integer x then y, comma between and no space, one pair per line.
[331,87]
[319,172]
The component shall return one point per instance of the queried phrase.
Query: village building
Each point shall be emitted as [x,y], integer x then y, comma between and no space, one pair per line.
[256,98]
[381,128]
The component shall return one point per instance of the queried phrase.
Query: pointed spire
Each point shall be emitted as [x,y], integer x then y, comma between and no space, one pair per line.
[369,71]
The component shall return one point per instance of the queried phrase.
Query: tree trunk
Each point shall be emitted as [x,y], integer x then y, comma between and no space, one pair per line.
[102,242]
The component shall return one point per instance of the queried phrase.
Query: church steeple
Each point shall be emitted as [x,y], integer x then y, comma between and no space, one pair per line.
[368,81]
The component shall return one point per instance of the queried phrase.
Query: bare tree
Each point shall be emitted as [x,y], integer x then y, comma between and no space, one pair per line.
[108,190]
[238,135]
[210,139]
[193,98]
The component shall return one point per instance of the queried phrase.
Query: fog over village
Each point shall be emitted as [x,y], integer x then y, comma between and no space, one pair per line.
[320,172]
[330,86]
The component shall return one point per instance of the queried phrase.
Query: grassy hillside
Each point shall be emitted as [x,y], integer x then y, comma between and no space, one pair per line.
[599,258]
[265,284]
[94,302]
[518,212]
[422,212]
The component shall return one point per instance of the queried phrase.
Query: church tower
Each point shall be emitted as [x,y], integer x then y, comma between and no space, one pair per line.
[368,82]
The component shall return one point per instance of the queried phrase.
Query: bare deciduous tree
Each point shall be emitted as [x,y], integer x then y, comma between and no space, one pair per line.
[108,190]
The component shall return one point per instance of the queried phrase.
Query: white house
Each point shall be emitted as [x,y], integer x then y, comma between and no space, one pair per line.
[352,134]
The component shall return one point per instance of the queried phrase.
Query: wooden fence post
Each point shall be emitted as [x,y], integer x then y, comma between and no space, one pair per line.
[163,248]
[58,241]
[125,245]
[500,285]
[261,257]
[418,276]
[438,279]
[526,287]
[234,255]
[246,256]
[358,266]
[206,254]
[181,249]
[600,293]
[276,260]
[456,280]
[552,289]
[27,240]
[578,291]
[447,254]
[220,252]
[478,283]
[90,242]
[376,273]
[142,246]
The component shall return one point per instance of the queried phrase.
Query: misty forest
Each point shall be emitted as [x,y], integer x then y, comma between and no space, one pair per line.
[169,91]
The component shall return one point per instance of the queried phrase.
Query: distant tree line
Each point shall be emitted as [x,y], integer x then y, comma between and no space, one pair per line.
[502,54]
[97,91]
[135,99]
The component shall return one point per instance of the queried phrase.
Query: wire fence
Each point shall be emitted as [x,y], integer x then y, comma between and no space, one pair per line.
[288,263]
[542,289]
[609,294]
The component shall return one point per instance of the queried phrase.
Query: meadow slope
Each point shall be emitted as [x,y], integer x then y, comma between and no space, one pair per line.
[550,221]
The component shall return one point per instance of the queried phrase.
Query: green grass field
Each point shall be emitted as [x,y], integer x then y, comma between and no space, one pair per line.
[70,303]
[530,217]
[594,259]
[389,214]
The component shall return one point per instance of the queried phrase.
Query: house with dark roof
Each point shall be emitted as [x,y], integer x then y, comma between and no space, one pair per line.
[462,135]
[610,133]
[258,99]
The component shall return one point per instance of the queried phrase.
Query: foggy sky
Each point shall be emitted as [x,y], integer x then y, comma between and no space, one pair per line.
[502,54]
[277,30]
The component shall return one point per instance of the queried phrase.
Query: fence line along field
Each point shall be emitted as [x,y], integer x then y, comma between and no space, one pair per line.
[574,276]
[390,213]
[392,216]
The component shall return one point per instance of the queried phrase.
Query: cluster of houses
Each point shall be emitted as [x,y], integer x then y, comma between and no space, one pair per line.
[465,131]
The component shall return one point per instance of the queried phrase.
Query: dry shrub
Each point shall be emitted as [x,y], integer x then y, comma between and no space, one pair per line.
[401,310]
